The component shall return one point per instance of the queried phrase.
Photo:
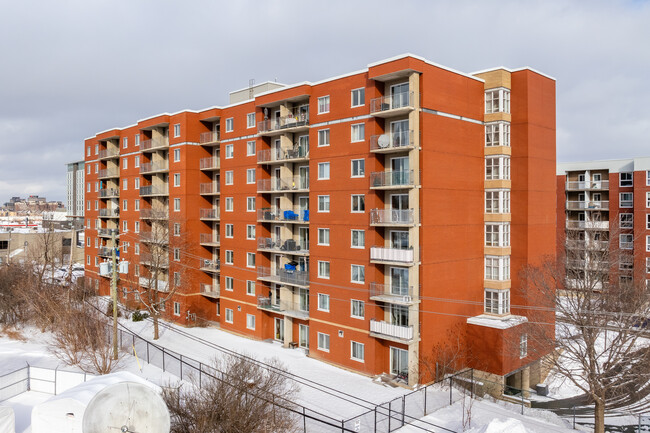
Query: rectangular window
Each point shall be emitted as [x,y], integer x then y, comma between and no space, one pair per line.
[250,148]
[230,177]
[497,234]
[88,154]
[250,120]
[323,269]
[323,137]
[358,274]
[250,288]
[358,97]
[497,301]
[229,204]
[358,132]
[356,351]
[96,149]
[229,124]
[229,315]
[250,260]
[323,203]
[177,309]
[125,226]
[497,167]
[125,205]
[497,201]
[626,220]
[358,168]
[647,199]
[497,268]
[136,161]
[229,282]
[177,254]
[177,130]
[177,205]
[323,104]
[136,248]
[177,279]
[177,179]
[229,151]
[177,229]
[358,309]
[137,182]
[229,230]
[137,139]
[250,321]
[177,155]
[250,204]
[523,345]
[125,163]
[323,170]
[250,175]
[626,242]
[497,101]
[358,239]
[125,142]
[136,226]
[323,236]
[250,232]
[647,221]
[626,199]
[625,179]
[125,184]
[323,302]
[358,203]
[323,342]
[647,243]
[229,257]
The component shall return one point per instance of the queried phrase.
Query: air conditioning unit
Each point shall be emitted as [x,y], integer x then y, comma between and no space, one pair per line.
[406,298]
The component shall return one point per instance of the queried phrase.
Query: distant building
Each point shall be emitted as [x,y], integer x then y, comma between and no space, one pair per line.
[75,190]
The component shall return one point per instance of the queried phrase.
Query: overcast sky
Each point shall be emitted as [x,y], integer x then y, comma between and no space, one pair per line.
[69,69]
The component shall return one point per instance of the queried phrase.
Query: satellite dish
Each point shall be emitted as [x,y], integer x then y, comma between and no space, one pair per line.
[383,141]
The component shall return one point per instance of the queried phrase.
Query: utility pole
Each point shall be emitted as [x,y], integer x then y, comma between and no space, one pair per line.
[114,290]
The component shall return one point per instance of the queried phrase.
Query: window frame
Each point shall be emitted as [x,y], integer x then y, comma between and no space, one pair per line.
[323,230]
[323,303]
[360,94]
[361,163]
[230,124]
[360,203]
[360,305]
[324,265]
[325,201]
[323,104]
[177,130]
[250,116]
[352,351]
[357,132]
[229,316]
[360,271]
[322,168]
[323,137]
[325,339]
[363,235]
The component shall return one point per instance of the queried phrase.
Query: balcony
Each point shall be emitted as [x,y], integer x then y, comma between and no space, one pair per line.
[210,290]
[155,260]
[209,214]
[392,179]
[294,122]
[105,252]
[385,330]
[209,138]
[212,266]
[392,105]
[283,185]
[211,188]
[392,217]
[109,153]
[394,256]
[582,244]
[210,163]
[152,191]
[292,309]
[209,240]
[587,205]
[280,156]
[581,185]
[281,246]
[391,293]
[109,213]
[109,193]
[154,167]
[154,214]
[106,233]
[154,144]
[587,225]
[108,173]
[295,216]
[158,238]
[283,276]
[150,283]
[392,142]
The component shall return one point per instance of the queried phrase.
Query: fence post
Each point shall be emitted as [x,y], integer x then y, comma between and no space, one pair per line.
[375,419]
[163,357]
[574,417]
[389,416]
[29,377]
[55,370]
[522,401]
[200,370]
[342,426]
[451,382]
[181,367]
[639,423]
[472,383]
[425,401]
[304,418]
[403,408]
[148,353]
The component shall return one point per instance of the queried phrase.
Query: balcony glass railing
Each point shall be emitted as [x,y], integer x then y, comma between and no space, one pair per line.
[397,292]
[390,330]
[395,141]
[210,265]
[296,215]
[288,276]
[210,289]
[283,245]
[298,118]
[115,212]
[279,155]
[154,213]
[108,153]
[391,102]
[387,179]
[597,225]
[583,185]
[391,216]
[209,214]
[289,307]
[288,184]
[104,232]
[151,283]
[588,205]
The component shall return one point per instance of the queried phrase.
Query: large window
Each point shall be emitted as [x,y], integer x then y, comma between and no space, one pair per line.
[626,241]
[357,351]
[323,236]
[323,302]
[229,124]
[358,310]
[626,220]
[177,130]
[229,177]
[358,168]
[250,321]
[358,274]
[323,170]
[497,201]
[250,288]
[358,132]
[497,301]
[497,268]
[358,97]
[497,167]
[323,203]
[626,199]
[497,101]
[229,229]
[229,257]
[230,151]
[323,342]
[250,120]
[323,104]
[229,204]
[358,239]
[229,315]
[358,203]
[497,234]
[250,175]
[250,260]
[323,269]
[250,232]
[250,148]
[625,179]
[250,204]
[323,137]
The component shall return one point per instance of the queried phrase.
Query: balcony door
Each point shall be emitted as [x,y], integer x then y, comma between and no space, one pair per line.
[304,177]
[399,132]
[399,95]
[597,178]
[399,362]
[399,201]
[399,239]
[400,170]
[303,295]
[399,315]
[279,329]
[399,281]
[303,336]
[303,236]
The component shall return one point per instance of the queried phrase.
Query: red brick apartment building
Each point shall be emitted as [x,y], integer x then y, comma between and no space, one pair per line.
[605,205]
[368,217]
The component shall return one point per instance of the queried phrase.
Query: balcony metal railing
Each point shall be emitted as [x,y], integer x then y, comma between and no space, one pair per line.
[391,102]
[293,277]
[209,214]
[115,212]
[388,329]
[149,190]
[582,244]
[597,225]
[279,155]
[392,291]
[296,119]
[108,153]
[384,254]
[153,144]
[209,137]
[154,213]
[109,193]
[153,167]
[108,173]
[210,163]
[159,261]
[210,188]
[287,307]
[282,245]
[160,237]
[150,283]
[390,179]
[391,216]
[584,185]
[587,205]
[288,184]
[105,252]
[210,265]
[104,232]
[283,215]
[210,289]
[209,238]
[394,141]
[626,245]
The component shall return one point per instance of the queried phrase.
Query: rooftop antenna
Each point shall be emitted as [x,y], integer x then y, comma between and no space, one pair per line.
[251,83]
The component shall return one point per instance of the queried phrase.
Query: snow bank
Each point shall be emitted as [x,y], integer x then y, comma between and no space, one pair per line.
[504,426]
[7,420]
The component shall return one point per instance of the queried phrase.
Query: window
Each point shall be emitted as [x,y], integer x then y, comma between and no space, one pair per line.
[497,101]
[177,130]
[250,260]
[136,226]
[96,149]
[323,302]
[177,309]
[358,239]
[87,242]
[229,257]
[136,161]
[136,249]
[250,120]
[323,269]
[303,336]
[647,221]
[88,187]
[625,241]
[250,148]
[323,170]
[250,204]
[647,199]
[647,243]
[125,205]
[497,234]
[97,206]
[137,204]
[626,199]
[250,288]
[647,265]
[125,142]
[323,137]
[177,254]
[250,321]
[177,279]
[358,309]
[323,342]
[177,205]
[125,184]
[497,268]
[125,226]
[229,230]
[96,168]
[229,124]
[625,179]
[358,132]
[177,229]
[250,232]
[88,154]
[323,104]
[626,220]
[358,97]
[125,163]
[229,151]
[358,167]
[323,236]
[250,175]
[136,181]
[177,179]
[229,177]
[358,274]
[323,203]
[497,301]
[229,281]
[356,351]
[177,155]
[137,139]
[229,315]
[358,203]
[229,204]
[523,345]
[497,167]
[497,201]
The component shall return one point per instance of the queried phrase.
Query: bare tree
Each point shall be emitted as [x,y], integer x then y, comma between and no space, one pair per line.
[14,307]
[46,252]
[446,357]
[240,396]
[600,305]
